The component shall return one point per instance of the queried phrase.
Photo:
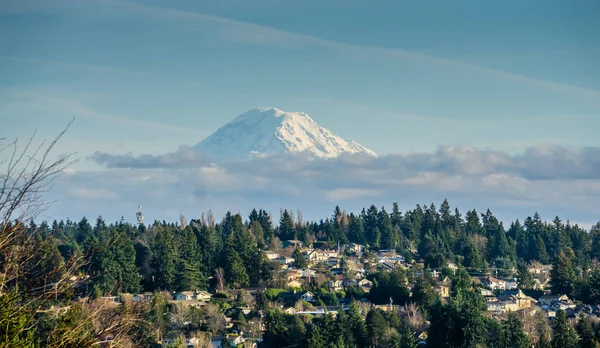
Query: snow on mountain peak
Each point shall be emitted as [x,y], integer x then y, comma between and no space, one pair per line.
[265,132]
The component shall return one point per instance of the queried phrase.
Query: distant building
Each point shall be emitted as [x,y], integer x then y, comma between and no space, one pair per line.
[355,248]
[293,243]
[493,283]
[336,284]
[510,283]
[294,296]
[284,260]
[442,290]
[271,255]
[192,295]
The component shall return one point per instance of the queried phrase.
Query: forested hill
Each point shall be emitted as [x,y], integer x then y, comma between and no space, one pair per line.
[180,256]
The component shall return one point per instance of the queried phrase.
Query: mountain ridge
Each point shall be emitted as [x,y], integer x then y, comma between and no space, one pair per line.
[265,132]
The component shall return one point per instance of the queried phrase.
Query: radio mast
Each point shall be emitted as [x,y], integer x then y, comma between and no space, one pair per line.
[139,216]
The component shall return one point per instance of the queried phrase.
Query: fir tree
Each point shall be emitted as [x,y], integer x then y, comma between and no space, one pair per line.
[564,334]
[562,275]
[514,336]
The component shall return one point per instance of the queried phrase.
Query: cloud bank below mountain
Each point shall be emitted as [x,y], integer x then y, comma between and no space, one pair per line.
[552,180]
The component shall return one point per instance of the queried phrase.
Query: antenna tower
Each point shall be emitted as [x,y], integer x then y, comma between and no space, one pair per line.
[139,216]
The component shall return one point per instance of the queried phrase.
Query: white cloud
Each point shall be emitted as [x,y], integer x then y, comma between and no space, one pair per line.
[341,194]
[93,194]
[511,186]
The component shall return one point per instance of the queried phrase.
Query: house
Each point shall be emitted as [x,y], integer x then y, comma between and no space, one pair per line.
[549,300]
[442,290]
[203,295]
[294,296]
[493,283]
[452,267]
[334,262]
[284,260]
[495,307]
[316,256]
[355,248]
[293,243]
[336,284]
[271,255]
[290,310]
[446,281]
[293,284]
[350,282]
[292,275]
[485,292]
[365,285]
[142,297]
[192,295]
[184,296]
[516,298]
[563,305]
[510,283]
[305,273]
[331,253]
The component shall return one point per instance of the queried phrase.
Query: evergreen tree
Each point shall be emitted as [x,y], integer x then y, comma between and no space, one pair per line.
[357,326]
[356,230]
[376,326]
[235,272]
[595,237]
[586,333]
[164,259]
[388,238]
[286,226]
[316,340]
[514,336]
[564,334]
[524,277]
[495,334]
[562,275]
[299,260]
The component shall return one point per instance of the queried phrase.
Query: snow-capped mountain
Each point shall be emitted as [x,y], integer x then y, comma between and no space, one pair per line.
[270,131]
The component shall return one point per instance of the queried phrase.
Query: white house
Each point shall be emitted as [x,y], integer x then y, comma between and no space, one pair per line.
[336,284]
[355,248]
[203,295]
[494,284]
[192,295]
[271,255]
[284,260]
[316,256]
[510,283]
[331,253]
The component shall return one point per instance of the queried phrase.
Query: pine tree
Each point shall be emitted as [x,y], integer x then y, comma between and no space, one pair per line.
[376,326]
[524,277]
[562,275]
[163,259]
[564,334]
[286,226]
[235,272]
[357,326]
[495,334]
[514,336]
[316,340]
[299,260]
[356,230]
[586,333]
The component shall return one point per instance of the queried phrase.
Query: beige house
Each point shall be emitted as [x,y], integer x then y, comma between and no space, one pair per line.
[442,290]
[316,256]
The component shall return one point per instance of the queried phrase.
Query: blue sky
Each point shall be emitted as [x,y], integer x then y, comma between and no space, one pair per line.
[397,76]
